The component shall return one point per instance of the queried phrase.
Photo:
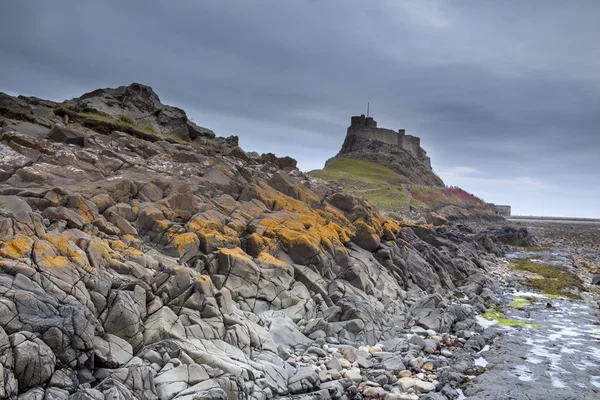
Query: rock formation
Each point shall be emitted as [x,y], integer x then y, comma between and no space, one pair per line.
[135,265]
[400,152]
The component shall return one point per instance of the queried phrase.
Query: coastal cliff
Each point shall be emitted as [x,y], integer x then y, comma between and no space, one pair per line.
[142,256]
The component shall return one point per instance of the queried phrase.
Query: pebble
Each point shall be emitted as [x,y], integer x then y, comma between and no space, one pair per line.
[353,375]
[406,383]
[401,396]
[372,391]
[446,353]
[428,366]
[423,386]
[405,374]
[344,363]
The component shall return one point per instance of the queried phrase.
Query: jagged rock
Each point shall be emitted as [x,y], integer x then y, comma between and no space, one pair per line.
[63,135]
[10,161]
[111,351]
[34,361]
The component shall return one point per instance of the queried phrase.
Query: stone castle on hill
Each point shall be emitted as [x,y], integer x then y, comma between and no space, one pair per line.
[367,127]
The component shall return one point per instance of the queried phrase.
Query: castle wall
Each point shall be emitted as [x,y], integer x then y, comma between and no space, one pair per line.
[383,135]
[367,127]
[412,144]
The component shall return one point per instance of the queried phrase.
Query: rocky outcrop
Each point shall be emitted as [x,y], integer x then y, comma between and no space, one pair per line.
[394,157]
[132,268]
[139,103]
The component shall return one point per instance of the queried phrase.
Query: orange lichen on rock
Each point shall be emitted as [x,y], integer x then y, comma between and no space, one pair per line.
[276,200]
[211,240]
[210,220]
[117,245]
[181,241]
[270,260]
[16,248]
[59,262]
[67,249]
[85,212]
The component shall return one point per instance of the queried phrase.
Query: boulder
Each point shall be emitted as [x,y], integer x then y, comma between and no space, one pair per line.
[34,361]
[63,135]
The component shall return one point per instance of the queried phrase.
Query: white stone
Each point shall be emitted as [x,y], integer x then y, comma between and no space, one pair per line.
[424,387]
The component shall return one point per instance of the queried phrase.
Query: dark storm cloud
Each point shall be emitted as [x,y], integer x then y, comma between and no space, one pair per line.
[505,95]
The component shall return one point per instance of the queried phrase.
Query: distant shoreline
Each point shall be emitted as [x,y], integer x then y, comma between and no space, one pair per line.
[532,218]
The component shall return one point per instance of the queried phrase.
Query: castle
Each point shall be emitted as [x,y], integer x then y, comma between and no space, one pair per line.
[367,127]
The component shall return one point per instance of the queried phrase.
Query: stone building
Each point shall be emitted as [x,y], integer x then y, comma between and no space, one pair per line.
[367,127]
[503,211]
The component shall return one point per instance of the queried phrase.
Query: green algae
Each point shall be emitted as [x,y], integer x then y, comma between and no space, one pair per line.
[519,302]
[501,320]
[553,296]
[549,279]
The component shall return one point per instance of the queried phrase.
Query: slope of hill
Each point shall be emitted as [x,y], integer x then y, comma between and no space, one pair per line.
[392,192]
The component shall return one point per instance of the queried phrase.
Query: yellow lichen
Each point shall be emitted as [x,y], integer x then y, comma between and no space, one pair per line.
[15,248]
[182,240]
[59,262]
[269,259]
[235,252]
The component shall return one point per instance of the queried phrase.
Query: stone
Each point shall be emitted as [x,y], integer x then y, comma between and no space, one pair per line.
[423,386]
[372,391]
[405,374]
[334,363]
[428,366]
[393,364]
[417,341]
[446,353]
[34,360]
[344,363]
[406,383]
[353,375]
[73,219]
[111,351]
[63,135]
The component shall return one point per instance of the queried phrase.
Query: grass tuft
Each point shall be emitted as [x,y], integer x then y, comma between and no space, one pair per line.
[126,120]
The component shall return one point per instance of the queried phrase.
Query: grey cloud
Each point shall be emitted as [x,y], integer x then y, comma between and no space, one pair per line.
[510,88]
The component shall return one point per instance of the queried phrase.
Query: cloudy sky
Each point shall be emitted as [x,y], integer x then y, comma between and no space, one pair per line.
[505,95]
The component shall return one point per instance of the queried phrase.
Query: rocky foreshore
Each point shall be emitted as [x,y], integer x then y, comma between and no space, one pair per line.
[138,264]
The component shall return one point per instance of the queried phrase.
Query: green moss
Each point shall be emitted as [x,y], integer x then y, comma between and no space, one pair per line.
[519,302]
[20,114]
[549,279]
[501,320]
[126,120]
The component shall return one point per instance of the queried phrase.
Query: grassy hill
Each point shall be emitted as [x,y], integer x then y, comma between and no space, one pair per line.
[390,191]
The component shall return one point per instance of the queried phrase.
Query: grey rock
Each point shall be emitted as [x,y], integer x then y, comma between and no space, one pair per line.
[63,135]
[417,341]
[34,360]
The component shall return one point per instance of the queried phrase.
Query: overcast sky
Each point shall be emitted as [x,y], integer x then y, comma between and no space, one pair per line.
[505,95]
